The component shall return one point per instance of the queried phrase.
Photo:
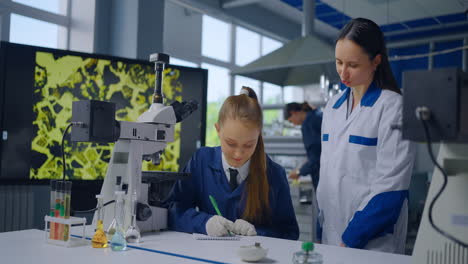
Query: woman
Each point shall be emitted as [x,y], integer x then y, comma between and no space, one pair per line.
[310,120]
[251,190]
[365,166]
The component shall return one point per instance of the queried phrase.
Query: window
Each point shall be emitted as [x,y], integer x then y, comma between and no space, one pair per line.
[218,90]
[54,6]
[176,61]
[25,30]
[240,81]
[273,124]
[247,46]
[40,23]
[217,57]
[272,94]
[269,45]
[293,94]
[216,40]
[314,95]
[218,82]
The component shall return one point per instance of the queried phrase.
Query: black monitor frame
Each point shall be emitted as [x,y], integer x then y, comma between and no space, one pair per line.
[17,69]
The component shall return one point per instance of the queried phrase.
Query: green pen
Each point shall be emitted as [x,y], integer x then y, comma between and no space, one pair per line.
[215,206]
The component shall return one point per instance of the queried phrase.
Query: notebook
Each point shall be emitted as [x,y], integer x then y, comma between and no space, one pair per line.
[205,237]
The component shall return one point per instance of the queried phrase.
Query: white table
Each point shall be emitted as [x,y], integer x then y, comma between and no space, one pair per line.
[29,246]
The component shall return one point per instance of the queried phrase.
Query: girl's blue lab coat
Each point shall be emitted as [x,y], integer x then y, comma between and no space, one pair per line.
[208,178]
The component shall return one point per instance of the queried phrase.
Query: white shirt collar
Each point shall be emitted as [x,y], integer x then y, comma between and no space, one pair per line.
[350,103]
[243,170]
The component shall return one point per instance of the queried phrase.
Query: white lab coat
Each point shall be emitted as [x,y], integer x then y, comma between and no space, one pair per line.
[365,172]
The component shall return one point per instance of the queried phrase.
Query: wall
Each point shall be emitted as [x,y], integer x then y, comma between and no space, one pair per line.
[23,206]
[131,29]
[182,33]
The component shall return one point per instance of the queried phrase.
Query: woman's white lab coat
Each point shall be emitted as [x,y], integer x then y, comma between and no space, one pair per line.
[365,172]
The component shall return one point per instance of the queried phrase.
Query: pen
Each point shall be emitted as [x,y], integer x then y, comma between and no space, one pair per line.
[215,206]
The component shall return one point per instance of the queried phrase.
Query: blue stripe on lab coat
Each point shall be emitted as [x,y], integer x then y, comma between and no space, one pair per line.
[363,140]
[369,98]
[376,219]
[342,99]
[371,95]
[325,137]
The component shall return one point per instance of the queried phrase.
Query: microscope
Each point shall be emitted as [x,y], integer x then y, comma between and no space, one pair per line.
[145,139]
[435,109]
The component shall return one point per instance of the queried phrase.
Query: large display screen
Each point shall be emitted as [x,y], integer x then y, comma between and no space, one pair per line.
[38,86]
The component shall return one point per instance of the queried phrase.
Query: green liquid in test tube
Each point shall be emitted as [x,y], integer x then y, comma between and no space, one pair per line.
[59,210]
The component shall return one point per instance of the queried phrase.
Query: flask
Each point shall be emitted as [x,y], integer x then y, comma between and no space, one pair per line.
[132,235]
[307,255]
[118,242]
[99,239]
[111,228]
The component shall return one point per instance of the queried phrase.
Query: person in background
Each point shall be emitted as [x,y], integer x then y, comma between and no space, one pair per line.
[310,120]
[365,166]
[251,190]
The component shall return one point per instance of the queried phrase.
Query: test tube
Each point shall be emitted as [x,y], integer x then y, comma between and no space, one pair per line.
[52,208]
[59,209]
[66,204]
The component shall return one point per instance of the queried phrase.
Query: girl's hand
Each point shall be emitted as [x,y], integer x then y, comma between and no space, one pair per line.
[244,228]
[218,226]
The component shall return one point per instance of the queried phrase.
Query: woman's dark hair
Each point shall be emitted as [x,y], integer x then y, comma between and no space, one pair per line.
[369,37]
[245,107]
[295,107]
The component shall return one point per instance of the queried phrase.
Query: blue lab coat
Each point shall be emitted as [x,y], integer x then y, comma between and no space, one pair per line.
[311,135]
[208,178]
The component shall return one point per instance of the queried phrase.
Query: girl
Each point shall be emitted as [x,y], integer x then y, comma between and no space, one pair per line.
[251,190]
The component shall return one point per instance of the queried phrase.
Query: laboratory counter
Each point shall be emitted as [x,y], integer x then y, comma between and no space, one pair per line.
[29,246]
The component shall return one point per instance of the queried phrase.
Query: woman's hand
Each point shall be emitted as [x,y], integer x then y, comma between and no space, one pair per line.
[244,228]
[294,174]
[343,245]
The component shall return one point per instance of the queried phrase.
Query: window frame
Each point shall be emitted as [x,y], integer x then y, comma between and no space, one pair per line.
[8,7]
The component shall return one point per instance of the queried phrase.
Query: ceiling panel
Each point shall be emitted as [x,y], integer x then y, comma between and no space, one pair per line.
[452,18]
[442,7]
[395,16]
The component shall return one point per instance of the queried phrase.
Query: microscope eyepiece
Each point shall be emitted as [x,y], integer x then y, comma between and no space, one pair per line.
[184,109]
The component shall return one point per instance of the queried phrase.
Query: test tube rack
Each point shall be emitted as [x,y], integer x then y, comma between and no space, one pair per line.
[72,221]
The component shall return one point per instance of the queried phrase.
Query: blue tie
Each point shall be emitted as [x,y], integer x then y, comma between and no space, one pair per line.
[233,178]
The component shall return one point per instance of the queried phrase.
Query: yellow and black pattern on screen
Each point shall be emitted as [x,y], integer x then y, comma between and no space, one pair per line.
[60,80]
